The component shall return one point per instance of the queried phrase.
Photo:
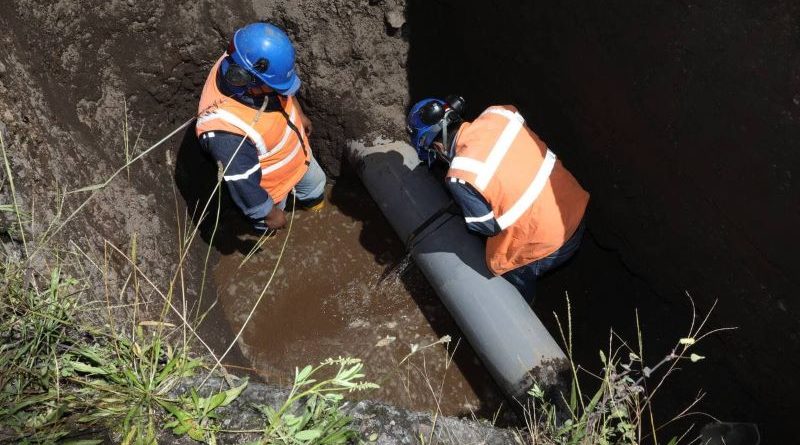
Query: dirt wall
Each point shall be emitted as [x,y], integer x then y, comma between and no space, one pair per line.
[70,70]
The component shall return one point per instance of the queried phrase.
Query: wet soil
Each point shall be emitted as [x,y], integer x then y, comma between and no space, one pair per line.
[344,287]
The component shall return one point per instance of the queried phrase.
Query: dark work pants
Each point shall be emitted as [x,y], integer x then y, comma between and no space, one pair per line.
[524,277]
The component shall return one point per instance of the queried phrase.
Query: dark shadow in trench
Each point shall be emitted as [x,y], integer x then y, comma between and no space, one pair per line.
[196,177]
[496,53]
[377,236]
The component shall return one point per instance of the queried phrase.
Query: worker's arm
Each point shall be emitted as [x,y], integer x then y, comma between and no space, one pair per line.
[477,213]
[243,177]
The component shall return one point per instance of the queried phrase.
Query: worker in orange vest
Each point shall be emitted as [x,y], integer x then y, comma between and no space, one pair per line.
[251,122]
[509,185]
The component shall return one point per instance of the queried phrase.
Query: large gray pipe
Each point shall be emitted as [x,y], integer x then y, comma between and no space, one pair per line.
[510,340]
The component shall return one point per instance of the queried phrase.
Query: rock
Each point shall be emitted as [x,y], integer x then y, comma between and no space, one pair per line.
[383,424]
[395,18]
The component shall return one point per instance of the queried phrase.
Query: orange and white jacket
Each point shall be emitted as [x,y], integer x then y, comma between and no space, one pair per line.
[283,151]
[536,202]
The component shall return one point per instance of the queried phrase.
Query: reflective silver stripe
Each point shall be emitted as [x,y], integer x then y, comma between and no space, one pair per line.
[531,193]
[499,151]
[282,162]
[474,219]
[511,115]
[244,175]
[238,123]
[466,164]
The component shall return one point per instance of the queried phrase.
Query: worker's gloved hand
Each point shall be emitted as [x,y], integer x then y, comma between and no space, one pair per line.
[307,125]
[276,219]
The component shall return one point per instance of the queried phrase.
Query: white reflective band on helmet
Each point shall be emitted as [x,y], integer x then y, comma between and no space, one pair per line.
[466,164]
[474,219]
[283,161]
[244,175]
[232,119]
[531,193]
[498,152]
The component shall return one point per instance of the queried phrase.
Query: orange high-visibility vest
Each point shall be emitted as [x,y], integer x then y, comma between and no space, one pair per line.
[282,154]
[535,200]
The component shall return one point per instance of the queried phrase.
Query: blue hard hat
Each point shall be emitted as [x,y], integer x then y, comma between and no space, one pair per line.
[266,52]
[423,126]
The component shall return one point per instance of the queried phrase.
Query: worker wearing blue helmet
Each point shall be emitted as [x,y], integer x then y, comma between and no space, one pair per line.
[250,121]
[261,54]
[509,185]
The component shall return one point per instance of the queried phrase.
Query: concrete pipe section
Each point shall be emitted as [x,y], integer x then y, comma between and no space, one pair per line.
[510,340]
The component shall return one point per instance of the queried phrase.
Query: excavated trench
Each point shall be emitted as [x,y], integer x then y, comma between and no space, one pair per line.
[679,118]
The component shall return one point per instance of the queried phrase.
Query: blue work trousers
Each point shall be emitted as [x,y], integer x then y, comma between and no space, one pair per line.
[524,277]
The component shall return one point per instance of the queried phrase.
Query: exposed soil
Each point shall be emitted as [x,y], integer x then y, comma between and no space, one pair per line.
[679,118]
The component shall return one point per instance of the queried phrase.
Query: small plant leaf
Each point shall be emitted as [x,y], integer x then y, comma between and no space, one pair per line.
[233,393]
[696,358]
[291,420]
[214,401]
[301,376]
[307,435]
[573,397]
[182,428]
[87,369]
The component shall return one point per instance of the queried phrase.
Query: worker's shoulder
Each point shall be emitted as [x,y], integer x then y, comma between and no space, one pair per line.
[510,108]
[225,143]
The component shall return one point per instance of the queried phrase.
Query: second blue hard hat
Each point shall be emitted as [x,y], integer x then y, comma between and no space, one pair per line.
[428,118]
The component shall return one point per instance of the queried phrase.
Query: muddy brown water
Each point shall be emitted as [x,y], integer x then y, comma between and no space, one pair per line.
[344,287]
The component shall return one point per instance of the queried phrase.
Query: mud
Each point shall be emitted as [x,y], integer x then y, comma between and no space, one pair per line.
[344,287]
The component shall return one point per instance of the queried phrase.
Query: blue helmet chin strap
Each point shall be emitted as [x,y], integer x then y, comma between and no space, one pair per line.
[448,147]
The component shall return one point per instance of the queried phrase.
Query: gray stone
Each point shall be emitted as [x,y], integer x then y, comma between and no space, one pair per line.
[386,424]
[395,18]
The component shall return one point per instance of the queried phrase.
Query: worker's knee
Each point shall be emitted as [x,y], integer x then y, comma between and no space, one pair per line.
[524,279]
[312,185]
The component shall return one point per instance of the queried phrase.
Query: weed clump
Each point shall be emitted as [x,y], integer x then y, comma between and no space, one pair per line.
[620,410]
[75,368]
[60,377]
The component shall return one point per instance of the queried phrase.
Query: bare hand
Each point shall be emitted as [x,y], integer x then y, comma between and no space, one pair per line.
[276,219]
